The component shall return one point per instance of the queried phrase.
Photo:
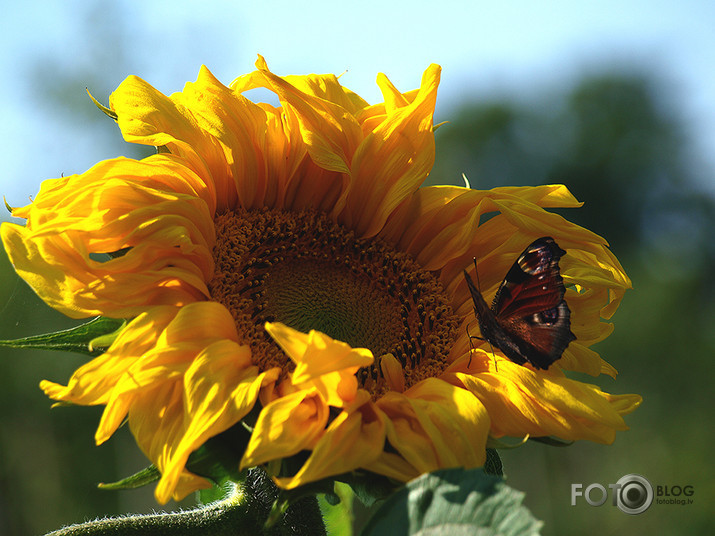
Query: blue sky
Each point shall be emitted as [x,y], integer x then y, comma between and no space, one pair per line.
[485,48]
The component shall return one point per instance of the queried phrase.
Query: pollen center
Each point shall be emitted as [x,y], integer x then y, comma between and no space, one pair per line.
[303,270]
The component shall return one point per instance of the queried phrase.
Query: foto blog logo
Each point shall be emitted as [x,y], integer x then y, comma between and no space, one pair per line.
[632,494]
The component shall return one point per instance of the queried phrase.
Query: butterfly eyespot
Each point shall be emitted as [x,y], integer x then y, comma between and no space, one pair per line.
[550,316]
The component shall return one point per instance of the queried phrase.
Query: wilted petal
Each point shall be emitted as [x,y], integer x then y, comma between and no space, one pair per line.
[436,425]
[351,441]
[522,401]
[285,427]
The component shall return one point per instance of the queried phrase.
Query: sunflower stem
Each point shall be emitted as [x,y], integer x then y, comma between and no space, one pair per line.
[228,516]
[243,512]
[300,518]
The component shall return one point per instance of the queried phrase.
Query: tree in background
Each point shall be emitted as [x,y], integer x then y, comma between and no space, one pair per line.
[620,149]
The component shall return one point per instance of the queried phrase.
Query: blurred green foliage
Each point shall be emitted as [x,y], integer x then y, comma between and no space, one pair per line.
[622,150]
[613,141]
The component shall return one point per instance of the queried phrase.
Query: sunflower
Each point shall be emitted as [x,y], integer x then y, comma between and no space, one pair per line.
[284,260]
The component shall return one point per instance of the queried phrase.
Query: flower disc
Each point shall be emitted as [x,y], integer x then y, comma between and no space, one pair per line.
[303,270]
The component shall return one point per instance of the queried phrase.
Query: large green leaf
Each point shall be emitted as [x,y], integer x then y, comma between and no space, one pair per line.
[90,338]
[454,502]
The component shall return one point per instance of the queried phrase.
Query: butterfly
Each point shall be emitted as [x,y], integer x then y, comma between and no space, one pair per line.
[529,319]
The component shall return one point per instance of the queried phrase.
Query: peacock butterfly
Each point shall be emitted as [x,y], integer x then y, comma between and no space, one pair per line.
[529,320]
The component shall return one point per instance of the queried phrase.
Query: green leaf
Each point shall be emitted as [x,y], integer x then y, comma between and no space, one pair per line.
[454,502]
[91,338]
[137,480]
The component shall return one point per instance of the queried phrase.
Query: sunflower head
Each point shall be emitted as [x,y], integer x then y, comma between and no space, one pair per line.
[281,266]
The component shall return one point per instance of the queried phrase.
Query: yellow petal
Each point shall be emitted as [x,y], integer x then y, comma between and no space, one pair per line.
[393,373]
[151,207]
[219,391]
[199,322]
[257,149]
[392,161]
[93,382]
[131,383]
[394,100]
[329,131]
[353,440]
[435,425]
[437,227]
[166,354]
[315,353]
[393,466]
[286,426]
[148,117]
[156,421]
[522,401]
[327,87]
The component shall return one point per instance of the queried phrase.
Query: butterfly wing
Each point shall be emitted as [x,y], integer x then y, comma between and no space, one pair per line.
[534,283]
[492,331]
[490,328]
[530,308]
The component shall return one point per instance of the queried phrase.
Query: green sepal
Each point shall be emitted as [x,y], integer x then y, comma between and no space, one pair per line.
[90,338]
[101,343]
[366,486]
[493,465]
[107,111]
[288,497]
[333,497]
[552,441]
[7,205]
[137,480]
[457,502]
[370,487]
[214,460]
[217,492]
[218,461]
[493,443]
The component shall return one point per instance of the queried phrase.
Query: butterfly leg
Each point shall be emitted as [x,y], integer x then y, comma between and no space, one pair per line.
[472,347]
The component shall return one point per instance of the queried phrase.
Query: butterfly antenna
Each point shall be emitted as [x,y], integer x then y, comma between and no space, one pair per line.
[479,286]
